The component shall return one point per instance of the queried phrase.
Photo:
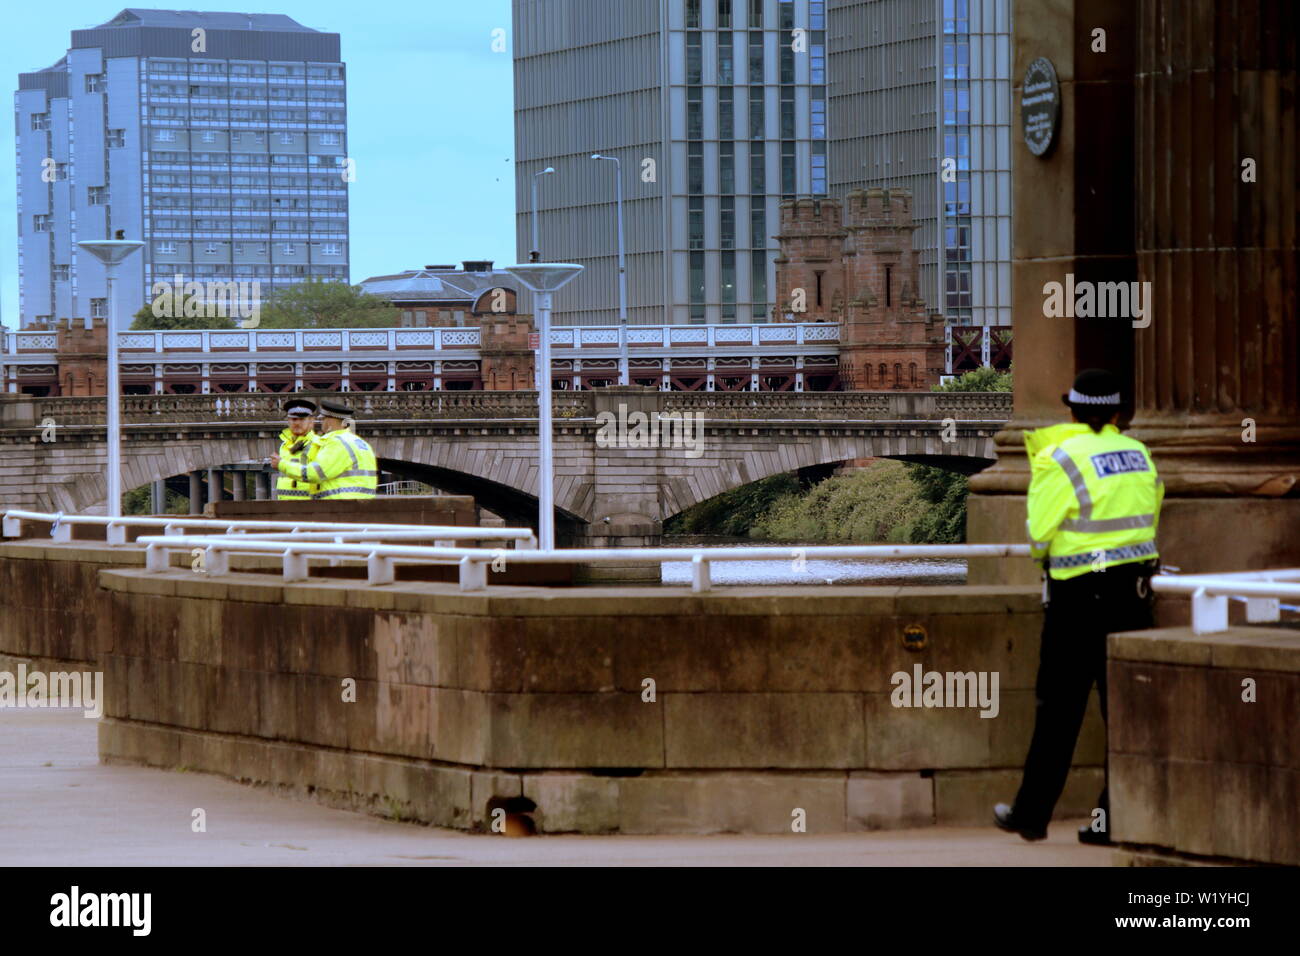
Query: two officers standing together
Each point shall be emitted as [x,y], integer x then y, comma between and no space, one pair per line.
[334,464]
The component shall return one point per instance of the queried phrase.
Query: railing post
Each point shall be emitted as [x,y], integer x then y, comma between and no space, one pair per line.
[1261,610]
[155,557]
[295,566]
[1209,612]
[13,527]
[700,580]
[380,570]
[216,561]
[115,533]
[473,574]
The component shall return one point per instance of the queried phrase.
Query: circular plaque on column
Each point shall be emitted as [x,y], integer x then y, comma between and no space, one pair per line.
[1040,106]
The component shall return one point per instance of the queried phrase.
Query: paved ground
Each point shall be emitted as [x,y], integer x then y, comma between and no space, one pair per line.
[59,807]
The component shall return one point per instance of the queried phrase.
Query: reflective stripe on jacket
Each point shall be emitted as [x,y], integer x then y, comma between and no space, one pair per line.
[347,467]
[1094,499]
[297,477]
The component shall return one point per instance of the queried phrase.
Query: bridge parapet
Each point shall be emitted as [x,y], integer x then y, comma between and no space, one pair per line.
[418,406]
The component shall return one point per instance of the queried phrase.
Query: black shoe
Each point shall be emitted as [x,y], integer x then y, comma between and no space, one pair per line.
[1093,837]
[1004,817]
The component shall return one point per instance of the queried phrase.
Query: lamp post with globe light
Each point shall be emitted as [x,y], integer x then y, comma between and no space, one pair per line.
[111,252]
[544,279]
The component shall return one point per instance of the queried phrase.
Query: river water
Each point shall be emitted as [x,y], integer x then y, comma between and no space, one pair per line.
[910,571]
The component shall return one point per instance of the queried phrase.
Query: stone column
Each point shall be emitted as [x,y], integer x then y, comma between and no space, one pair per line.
[196,492]
[215,480]
[1218,396]
[261,486]
[1073,215]
[237,484]
[158,497]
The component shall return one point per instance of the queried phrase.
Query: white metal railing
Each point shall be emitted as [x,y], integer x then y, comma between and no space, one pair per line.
[115,533]
[475,562]
[1262,592]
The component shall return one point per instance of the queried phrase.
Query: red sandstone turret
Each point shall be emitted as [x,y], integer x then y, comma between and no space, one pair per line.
[855,264]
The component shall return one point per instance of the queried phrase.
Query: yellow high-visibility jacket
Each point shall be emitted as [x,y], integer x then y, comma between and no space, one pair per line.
[1094,499]
[344,467]
[296,454]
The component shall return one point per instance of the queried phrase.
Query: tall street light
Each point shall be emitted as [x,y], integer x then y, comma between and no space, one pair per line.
[543,279]
[623,376]
[535,254]
[111,252]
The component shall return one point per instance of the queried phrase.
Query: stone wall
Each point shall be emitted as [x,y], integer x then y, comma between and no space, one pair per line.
[766,701]
[1198,770]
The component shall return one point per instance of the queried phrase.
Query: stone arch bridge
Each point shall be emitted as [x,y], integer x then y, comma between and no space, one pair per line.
[617,474]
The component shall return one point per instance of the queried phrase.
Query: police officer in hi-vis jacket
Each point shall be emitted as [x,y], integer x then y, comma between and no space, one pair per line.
[1094,502]
[344,466]
[298,445]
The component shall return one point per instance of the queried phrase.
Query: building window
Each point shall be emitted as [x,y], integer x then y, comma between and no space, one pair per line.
[40,223]
[727,168]
[817,14]
[726,112]
[40,121]
[817,62]
[756,58]
[726,60]
[286,139]
[694,112]
[60,172]
[696,222]
[787,15]
[165,248]
[330,249]
[787,112]
[757,169]
[208,136]
[757,224]
[694,59]
[819,113]
[115,138]
[724,14]
[211,249]
[288,248]
[758,281]
[330,139]
[756,112]
[727,223]
[98,308]
[788,181]
[94,82]
[696,284]
[819,169]
[695,167]
[96,195]
[61,272]
[692,14]
[728,264]
[755,13]
[164,136]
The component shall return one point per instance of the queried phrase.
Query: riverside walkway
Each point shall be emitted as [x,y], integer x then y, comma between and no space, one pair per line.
[62,808]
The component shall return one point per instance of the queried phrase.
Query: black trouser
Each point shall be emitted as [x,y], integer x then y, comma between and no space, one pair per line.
[1080,612]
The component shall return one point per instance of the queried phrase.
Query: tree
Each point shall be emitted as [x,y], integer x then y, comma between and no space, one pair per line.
[316,304]
[147,320]
[944,521]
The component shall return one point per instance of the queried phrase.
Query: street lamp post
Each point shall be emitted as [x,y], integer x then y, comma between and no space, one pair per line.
[535,254]
[623,373]
[111,252]
[543,279]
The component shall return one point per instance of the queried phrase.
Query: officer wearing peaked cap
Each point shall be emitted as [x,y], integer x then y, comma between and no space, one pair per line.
[345,464]
[1094,503]
[298,446]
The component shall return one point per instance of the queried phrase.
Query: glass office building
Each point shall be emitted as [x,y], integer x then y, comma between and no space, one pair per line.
[716,110]
[920,97]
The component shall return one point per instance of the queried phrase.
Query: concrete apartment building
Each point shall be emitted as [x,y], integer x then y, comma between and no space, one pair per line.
[217,138]
[739,105]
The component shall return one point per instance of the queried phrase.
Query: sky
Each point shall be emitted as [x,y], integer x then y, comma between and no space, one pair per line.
[430,122]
